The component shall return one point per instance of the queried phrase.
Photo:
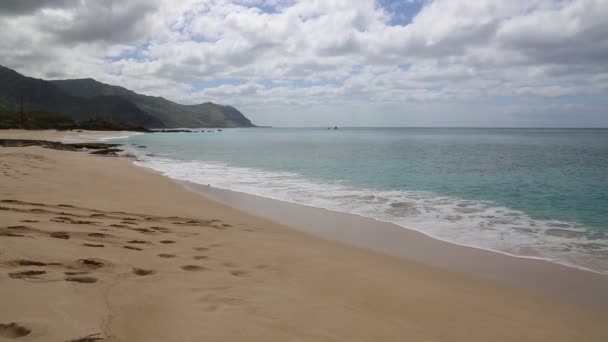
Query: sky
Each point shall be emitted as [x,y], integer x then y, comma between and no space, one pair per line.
[464,63]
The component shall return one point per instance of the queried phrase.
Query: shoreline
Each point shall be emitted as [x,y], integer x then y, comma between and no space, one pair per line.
[558,280]
[210,194]
[561,282]
[66,136]
[515,230]
[175,265]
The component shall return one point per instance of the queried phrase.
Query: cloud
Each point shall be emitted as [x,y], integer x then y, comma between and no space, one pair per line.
[98,21]
[328,55]
[21,7]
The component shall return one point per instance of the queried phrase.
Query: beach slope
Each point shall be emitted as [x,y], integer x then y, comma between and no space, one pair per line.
[95,247]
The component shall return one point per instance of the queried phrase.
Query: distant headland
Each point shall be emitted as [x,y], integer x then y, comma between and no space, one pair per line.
[27,102]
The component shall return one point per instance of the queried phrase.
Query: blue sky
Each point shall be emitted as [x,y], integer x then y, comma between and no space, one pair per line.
[319,63]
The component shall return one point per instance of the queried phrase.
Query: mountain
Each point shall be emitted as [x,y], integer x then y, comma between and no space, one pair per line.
[170,113]
[87,98]
[40,95]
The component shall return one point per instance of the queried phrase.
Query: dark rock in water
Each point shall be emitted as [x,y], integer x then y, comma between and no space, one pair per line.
[93,145]
[26,143]
[57,145]
[172,131]
[108,151]
[142,146]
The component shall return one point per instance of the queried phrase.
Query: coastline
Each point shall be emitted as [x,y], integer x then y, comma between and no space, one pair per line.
[562,282]
[561,221]
[65,136]
[251,278]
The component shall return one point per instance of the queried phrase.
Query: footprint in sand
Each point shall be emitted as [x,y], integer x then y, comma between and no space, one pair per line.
[13,330]
[29,221]
[60,235]
[92,263]
[239,273]
[142,272]
[93,245]
[142,230]
[89,338]
[83,279]
[200,257]
[161,229]
[216,302]
[167,242]
[133,248]
[141,242]
[83,222]
[201,249]
[31,274]
[61,219]
[98,235]
[9,234]
[33,263]
[168,256]
[193,268]
[19,227]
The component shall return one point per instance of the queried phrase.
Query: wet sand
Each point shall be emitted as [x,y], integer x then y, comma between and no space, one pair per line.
[95,247]
[560,282]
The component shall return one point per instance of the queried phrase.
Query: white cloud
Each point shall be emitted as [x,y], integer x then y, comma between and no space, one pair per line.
[326,54]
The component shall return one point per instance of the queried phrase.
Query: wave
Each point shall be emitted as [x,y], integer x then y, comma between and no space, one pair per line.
[480,224]
[100,136]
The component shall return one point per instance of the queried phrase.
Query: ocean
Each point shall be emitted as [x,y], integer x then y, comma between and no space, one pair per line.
[539,193]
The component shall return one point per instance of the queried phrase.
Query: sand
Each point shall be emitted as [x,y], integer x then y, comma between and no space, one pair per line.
[95,247]
[564,283]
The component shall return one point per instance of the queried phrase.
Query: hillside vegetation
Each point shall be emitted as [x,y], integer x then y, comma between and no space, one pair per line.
[86,99]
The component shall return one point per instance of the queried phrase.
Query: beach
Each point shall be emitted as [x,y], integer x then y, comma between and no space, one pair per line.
[94,246]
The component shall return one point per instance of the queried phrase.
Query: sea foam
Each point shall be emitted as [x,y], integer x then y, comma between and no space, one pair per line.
[480,224]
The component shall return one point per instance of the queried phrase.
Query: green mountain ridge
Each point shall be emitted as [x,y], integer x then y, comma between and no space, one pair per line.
[84,99]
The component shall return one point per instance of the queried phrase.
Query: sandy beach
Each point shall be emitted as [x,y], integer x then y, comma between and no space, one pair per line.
[93,248]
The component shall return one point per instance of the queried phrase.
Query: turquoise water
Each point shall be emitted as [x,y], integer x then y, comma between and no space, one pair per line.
[530,192]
